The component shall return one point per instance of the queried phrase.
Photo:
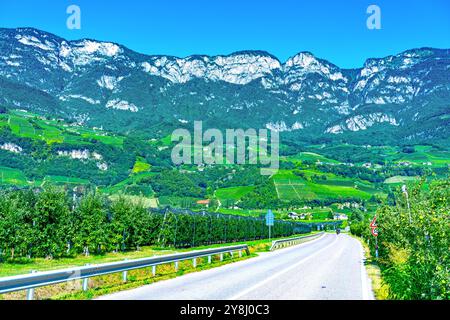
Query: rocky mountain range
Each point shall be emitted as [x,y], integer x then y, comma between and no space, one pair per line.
[403,97]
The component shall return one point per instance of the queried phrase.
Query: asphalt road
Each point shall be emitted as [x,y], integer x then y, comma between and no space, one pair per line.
[330,267]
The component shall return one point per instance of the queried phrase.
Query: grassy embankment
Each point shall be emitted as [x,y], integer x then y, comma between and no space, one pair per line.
[379,287]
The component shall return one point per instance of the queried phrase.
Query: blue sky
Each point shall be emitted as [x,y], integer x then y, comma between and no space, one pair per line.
[333,30]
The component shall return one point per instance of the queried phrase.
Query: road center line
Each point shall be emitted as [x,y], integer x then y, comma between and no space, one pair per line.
[256,286]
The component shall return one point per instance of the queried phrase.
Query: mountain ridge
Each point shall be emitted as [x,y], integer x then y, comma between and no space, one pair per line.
[256,51]
[97,82]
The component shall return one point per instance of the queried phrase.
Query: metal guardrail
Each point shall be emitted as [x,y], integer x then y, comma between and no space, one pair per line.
[277,244]
[39,279]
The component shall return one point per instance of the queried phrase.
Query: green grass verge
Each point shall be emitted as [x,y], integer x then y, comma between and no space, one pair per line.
[380,288]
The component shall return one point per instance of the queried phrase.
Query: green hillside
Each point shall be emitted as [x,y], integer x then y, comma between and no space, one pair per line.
[54,152]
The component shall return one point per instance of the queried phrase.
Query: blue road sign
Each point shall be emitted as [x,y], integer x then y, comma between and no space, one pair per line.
[269,218]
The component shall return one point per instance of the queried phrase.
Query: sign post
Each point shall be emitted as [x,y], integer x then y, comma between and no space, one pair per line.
[269,221]
[374,230]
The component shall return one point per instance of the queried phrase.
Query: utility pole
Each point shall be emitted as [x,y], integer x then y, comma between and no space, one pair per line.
[405,191]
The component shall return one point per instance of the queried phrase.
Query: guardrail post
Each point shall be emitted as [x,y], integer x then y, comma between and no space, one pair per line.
[231,254]
[194,262]
[221,257]
[30,292]
[209,259]
[85,284]
[176,266]
[85,281]
[154,270]
[124,274]
[240,253]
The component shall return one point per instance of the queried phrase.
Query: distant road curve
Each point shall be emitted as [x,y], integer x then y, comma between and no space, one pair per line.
[330,267]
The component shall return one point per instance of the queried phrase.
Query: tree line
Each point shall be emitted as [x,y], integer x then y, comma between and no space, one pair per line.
[50,223]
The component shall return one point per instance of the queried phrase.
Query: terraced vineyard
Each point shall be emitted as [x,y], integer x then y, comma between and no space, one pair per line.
[233,193]
[290,187]
[27,125]
[10,176]
[397,180]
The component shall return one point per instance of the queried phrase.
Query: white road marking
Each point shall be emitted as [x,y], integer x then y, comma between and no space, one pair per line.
[256,286]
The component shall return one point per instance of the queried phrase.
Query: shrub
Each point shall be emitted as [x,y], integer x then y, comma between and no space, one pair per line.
[414,243]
